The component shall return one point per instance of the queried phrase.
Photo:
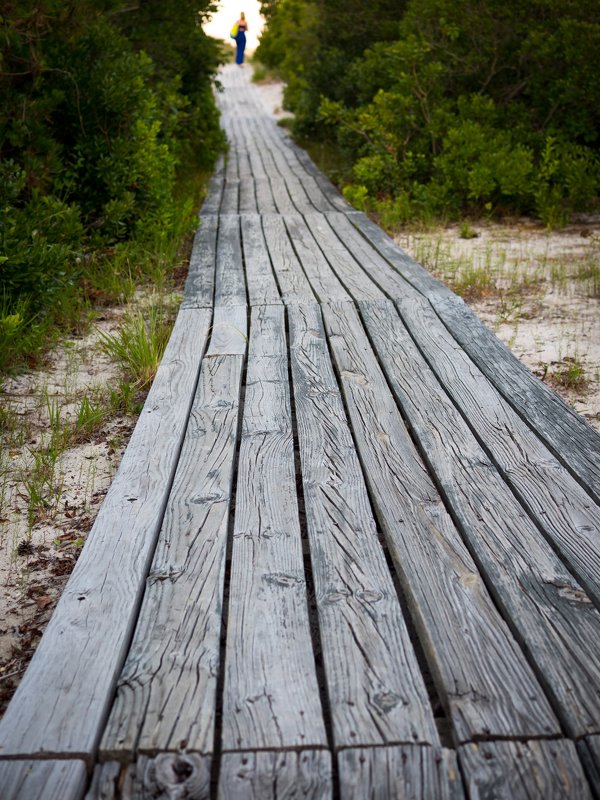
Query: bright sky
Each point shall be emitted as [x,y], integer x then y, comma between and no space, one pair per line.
[228,13]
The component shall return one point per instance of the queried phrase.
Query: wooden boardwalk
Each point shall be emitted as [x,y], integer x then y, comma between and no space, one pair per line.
[353,549]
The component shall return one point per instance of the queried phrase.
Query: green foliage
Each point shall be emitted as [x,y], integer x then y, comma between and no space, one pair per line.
[449,107]
[102,103]
[139,345]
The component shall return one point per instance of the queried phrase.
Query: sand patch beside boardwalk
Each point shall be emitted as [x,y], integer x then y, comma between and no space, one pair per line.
[39,546]
[538,290]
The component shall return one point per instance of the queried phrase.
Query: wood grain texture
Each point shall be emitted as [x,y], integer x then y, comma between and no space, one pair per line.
[373,264]
[166,695]
[374,684]
[589,753]
[228,335]
[410,772]
[230,202]
[414,273]
[563,510]
[168,776]
[269,648]
[262,287]
[550,613]
[479,669]
[200,283]
[85,644]
[269,139]
[328,189]
[212,201]
[322,279]
[342,255]
[523,771]
[42,780]
[293,284]
[230,288]
[276,776]
[567,435]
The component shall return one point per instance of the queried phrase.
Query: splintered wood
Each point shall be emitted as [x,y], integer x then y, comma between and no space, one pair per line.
[353,549]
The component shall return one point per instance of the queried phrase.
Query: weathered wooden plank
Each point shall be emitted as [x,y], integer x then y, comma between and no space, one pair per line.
[564,511]
[212,201]
[269,646]
[168,776]
[276,776]
[523,771]
[248,203]
[166,695]
[279,189]
[267,132]
[479,669]
[589,753]
[230,202]
[293,284]
[316,267]
[341,256]
[374,684]
[291,163]
[42,780]
[414,273]
[328,189]
[229,331]
[82,652]
[264,196]
[564,432]
[407,771]
[546,608]
[230,288]
[262,287]
[200,283]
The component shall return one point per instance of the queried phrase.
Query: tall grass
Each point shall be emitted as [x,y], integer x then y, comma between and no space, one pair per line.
[139,344]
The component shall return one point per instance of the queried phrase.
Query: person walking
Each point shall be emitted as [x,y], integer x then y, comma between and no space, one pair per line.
[240,39]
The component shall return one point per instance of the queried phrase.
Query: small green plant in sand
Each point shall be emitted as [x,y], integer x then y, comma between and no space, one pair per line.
[467,232]
[140,343]
[570,374]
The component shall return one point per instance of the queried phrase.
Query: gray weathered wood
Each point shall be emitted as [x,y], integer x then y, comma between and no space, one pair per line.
[42,780]
[589,753]
[484,678]
[228,335]
[407,771]
[83,649]
[269,647]
[168,776]
[269,139]
[374,685]
[230,288]
[212,201]
[341,256]
[166,697]
[262,287]
[414,273]
[200,283]
[564,511]
[318,271]
[304,775]
[565,433]
[230,202]
[523,771]
[293,284]
[550,613]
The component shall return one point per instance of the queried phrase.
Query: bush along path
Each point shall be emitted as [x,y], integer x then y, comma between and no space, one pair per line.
[101,104]
[448,107]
